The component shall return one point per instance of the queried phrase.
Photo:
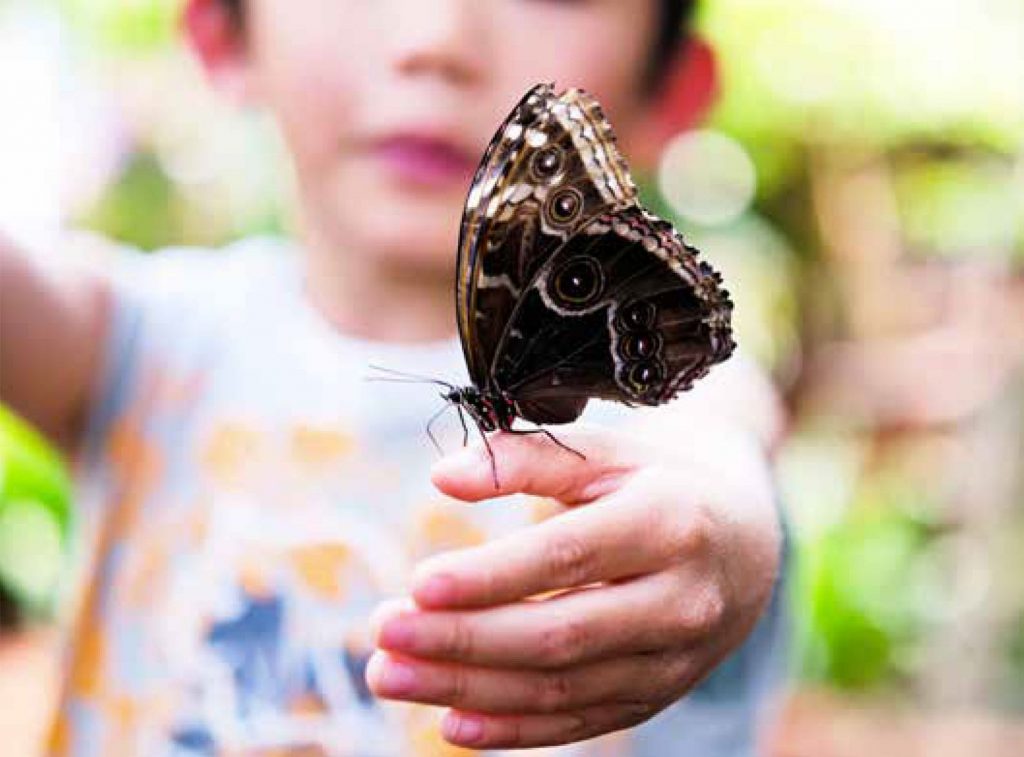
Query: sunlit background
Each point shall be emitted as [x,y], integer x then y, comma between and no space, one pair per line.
[862,186]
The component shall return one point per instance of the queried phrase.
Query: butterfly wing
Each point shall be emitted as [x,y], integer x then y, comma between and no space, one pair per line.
[551,167]
[623,310]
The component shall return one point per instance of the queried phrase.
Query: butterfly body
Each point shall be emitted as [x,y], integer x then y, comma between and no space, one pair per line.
[490,412]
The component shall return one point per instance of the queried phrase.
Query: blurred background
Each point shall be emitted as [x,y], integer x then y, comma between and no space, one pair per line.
[862,186]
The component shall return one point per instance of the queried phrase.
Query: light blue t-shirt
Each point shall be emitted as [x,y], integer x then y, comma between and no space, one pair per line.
[256,498]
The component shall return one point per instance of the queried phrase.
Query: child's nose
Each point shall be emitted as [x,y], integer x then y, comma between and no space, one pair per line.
[440,37]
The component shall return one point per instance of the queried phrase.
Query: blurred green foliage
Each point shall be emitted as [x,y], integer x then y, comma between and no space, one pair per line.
[123,26]
[1013,696]
[863,587]
[806,72]
[961,205]
[35,515]
[143,208]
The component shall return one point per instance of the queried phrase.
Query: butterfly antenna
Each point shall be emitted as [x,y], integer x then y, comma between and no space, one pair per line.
[407,378]
[391,380]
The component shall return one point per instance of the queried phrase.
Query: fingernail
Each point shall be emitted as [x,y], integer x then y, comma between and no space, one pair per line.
[464,730]
[436,591]
[385,612]
[397,678]
[396,633]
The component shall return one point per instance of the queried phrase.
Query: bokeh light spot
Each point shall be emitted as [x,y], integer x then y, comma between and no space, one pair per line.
[707,177]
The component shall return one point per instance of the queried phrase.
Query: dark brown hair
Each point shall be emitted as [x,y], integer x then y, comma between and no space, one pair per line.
[673,26]
[675,19]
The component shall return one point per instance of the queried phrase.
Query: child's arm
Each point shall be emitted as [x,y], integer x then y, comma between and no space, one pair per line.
[51,332]
[678,526]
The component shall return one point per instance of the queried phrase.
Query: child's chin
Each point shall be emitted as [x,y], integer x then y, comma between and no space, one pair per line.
[390,224]
[412,235]
[424,249]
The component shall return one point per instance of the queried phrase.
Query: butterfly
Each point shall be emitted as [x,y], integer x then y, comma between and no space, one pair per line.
[567,289]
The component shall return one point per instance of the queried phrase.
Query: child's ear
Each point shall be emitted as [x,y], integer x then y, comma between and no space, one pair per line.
[217,38]
[686,95]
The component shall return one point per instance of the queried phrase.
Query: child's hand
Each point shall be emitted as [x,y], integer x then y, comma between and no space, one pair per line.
[668,562]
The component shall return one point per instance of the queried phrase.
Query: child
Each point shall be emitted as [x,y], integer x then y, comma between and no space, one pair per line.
[260,499]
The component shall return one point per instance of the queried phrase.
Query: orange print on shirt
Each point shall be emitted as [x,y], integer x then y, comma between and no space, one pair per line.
[423,726]
[319,448]
[542,508]
[443,524]
[322,568]
[231,449]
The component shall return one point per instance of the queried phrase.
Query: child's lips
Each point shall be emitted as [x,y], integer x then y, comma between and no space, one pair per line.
[424,160]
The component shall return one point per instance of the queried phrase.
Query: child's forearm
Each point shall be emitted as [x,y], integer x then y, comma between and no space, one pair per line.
[51,328]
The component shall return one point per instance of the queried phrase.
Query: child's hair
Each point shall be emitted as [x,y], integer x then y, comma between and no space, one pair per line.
[675,19]
[673,24]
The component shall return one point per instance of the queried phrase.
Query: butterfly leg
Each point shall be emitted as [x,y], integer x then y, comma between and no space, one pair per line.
[465,429]
[549,435]
[430,433]
[490,454]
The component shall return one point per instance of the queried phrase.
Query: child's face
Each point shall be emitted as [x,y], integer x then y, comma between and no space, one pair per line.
[387,105]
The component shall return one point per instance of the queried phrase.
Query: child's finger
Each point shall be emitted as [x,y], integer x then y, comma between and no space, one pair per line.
[647,614]
[480,731]
[640,677]
[535,464]
[638,530]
